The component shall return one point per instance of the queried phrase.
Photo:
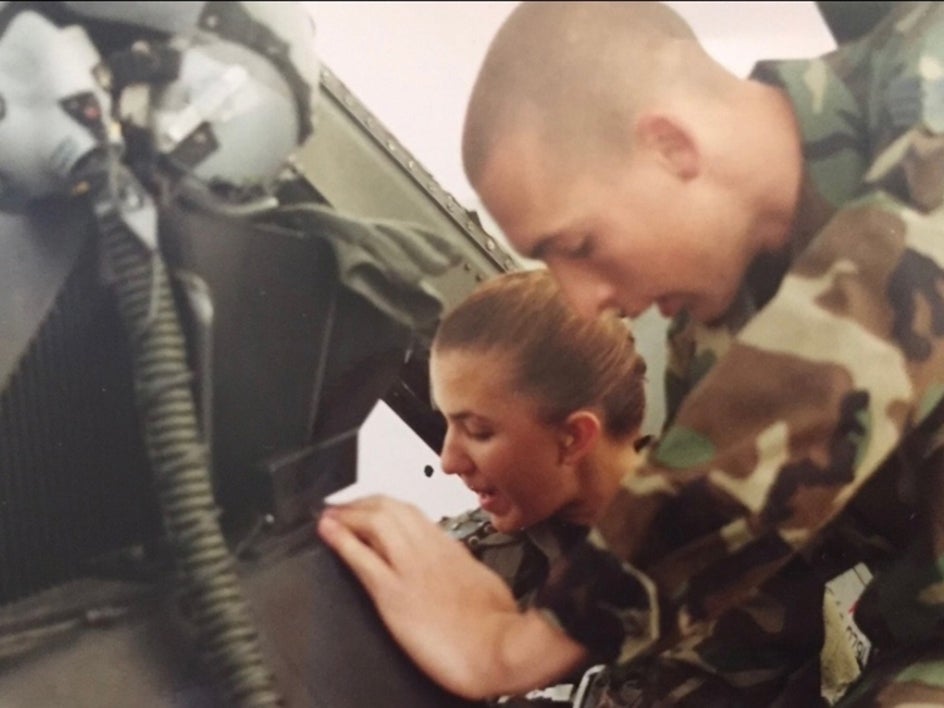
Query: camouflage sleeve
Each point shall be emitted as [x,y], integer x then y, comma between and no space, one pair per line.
[815,392]
[516,558]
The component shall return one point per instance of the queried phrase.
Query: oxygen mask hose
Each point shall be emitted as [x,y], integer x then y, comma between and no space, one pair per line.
[131,261]
[57,136]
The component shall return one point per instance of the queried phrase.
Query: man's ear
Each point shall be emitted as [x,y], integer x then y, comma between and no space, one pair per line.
[671,142]
[579,434]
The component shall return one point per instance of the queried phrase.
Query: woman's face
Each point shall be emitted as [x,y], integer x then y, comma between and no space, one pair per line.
[496,442]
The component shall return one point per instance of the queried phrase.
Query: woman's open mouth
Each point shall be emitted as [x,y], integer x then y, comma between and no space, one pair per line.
[487,496]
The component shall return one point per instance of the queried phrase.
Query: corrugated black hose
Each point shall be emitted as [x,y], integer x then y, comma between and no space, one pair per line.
[227,639]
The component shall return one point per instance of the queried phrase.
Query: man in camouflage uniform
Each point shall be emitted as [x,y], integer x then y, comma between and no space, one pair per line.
[792,226]
[840,368]
[868,220]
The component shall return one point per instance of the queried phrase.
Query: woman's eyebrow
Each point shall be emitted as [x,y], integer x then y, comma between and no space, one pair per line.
[465,415]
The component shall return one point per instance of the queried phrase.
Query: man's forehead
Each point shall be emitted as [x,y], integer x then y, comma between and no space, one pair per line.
[519,188]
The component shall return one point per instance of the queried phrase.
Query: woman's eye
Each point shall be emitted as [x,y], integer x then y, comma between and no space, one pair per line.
[479,434]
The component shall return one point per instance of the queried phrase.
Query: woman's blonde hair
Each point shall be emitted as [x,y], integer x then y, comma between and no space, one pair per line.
[563,361]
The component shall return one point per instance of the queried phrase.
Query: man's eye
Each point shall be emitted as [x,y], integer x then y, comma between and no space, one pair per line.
[476,434]
[583,249]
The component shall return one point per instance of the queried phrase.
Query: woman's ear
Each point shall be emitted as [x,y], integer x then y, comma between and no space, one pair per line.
[578,436]
[670,141]
[642,442]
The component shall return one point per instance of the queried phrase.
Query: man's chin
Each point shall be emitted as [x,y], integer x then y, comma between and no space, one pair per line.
[708,314]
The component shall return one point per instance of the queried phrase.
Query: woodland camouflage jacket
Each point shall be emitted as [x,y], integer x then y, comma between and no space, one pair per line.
[802,435]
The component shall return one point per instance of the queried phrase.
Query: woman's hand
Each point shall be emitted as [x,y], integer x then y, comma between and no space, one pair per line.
[455,618]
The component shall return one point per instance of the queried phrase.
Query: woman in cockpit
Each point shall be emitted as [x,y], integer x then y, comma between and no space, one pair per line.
[543,411]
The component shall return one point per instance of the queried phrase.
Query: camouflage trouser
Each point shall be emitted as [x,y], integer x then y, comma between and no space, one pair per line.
[668,685]
[912,678]
[663,683]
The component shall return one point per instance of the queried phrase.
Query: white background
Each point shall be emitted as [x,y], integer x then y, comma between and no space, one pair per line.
[413,65]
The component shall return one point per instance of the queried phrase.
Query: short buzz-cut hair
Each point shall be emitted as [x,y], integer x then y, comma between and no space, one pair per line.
[572,71]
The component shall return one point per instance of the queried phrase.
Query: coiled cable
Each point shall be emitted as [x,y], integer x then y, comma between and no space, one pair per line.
[227,639]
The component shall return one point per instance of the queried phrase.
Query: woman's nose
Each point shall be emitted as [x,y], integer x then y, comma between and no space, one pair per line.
[452,457]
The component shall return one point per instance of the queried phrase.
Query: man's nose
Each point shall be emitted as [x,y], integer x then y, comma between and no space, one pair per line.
[588,296]
[452,457]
